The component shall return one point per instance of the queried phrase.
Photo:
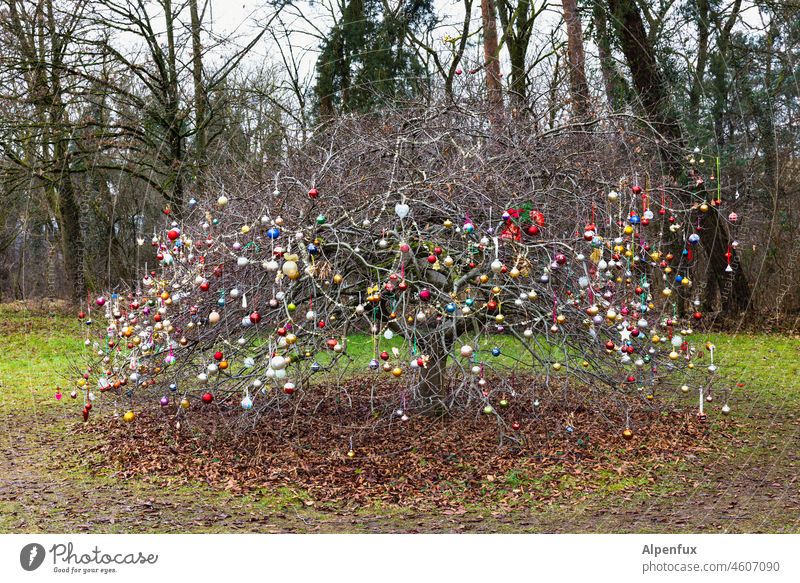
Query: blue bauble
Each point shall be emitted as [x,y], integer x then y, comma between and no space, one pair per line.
[495,351]
[273,232]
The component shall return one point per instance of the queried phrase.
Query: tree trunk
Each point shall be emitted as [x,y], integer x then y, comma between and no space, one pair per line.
[432,390]
[201,138]
[72,236]
[578,87]
[175,131]
[696,90]
[612,81]
[646,76]
[491,52]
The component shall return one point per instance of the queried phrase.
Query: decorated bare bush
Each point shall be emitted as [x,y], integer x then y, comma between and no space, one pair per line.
[473,266]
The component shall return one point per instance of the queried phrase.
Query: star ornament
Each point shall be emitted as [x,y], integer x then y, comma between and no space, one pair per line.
[625,334]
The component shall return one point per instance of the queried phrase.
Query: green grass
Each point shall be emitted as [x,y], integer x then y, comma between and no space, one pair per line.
[39,352]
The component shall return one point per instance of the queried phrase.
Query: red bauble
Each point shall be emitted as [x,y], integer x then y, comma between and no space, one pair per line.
[432,259]
[698,315]
[425,295]
[281,331]
[532,230]
[173,234]
[636,189]
[515,426]
[384,355]
[255,317]
[207,397]
[204,286]
[313,193]
[402,286]
[610,345]
[218,355]
[81,315]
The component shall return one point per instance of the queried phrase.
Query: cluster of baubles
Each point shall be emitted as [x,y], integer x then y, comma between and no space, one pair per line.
[246,312]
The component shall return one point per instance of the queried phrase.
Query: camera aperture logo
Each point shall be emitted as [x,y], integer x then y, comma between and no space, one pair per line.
[67,560]
[31,556]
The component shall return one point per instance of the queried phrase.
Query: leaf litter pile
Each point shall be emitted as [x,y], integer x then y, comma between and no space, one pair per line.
[351,452]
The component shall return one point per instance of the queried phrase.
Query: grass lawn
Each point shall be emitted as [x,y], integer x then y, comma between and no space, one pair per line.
[747,481]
